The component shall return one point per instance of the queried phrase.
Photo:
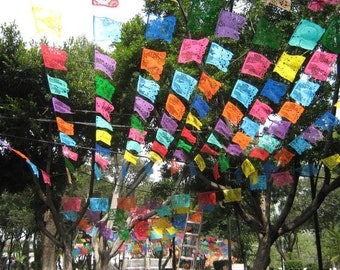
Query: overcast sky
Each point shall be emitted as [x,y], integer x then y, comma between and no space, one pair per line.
[76,15]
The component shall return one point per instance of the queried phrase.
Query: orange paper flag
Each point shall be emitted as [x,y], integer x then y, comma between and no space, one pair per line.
[208,85]
[232,113]
[64,126]
[153,62]
[175,107]
[291,111]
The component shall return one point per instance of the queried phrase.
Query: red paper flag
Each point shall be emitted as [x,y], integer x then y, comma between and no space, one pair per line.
[53,58]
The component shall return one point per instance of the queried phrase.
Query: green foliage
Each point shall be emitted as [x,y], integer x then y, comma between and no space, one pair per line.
[294,265]
[312,266]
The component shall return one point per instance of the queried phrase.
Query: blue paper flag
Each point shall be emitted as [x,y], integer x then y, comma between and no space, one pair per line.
[34,168]
[244,92]
[183,84]
[274,90]
[304,92]
[219,57]
[147,88]
[160,28]
[327,121]
[102,150]
[200,105]
[261,183]
[106,29]
[300,145]
[67,140]
[99,204]
[250,127]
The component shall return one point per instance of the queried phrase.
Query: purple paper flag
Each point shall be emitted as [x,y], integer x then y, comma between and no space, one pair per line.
[229,25]
[60,106]
[143,108]
[180,154]
[168,123]
[104,63]
[222,128]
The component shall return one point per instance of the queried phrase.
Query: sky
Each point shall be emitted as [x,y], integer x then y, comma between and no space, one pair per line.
[76,15]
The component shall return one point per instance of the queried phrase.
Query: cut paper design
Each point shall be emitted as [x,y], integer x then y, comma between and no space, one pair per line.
[99,204]
[186,133]
[234,149]
[57,86]
[320,65]
[192,50]
[255,65]
[247,168]
[244,92]
[143,108]
[137,123]
[304,92]
[200,105]
[312,134]
[153,62]
[213,140]
[129,157]
[279,128]
[284,4]
[126,203]
[104,63]
[164,137]
[133,146]
[267,34]
[332,161]
[65,127]
[147,88]
[317,5]
[160,28]
[208,85]
[104,88]
[249,127]
[219,57]
[288,65]
[102,123]
[106,3]
[103,136]
[159,149]
[229,24]
[274,90]
[67,140]
[208,150]
[180,154]
[154,157]
[106,29]
[282,178]
[222,128]
[200,162]
[71,203]
[203,16]
[136,135]
[327,121]
[223,162]
[168,123]
[261,183]
[268,143]
[232,195]
[175,107]
[306,35]
[102,162]
[183,145]
[46,177]
[47,21]
[206,198]
[232,113]
[180,201]
[140,229]
[60,106]
[300,145]
[307,170]
[183,84]
[67,152]
[53,58]
[291,111]
[259,153]
[331,38]
[283,157]
[193,121]
[242,139]
[260,110]
[104,107]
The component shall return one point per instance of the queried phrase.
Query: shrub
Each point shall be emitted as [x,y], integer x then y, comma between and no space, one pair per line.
[294,265]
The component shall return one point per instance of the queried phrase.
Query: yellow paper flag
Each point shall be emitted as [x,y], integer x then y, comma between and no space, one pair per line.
[332,161]
[232,195]
[130,157]
[200,162]
[254,178]
[104,136]
[154,157]
[47,21]
[288,65]
[247,167]
[194,121]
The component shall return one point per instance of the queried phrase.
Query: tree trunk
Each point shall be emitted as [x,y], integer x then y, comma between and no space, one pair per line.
[262,259]
[68,256]
[48,247]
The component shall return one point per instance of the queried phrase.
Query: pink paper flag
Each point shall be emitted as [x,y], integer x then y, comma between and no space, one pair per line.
[46,177]
[282,178]
[192,50]
[137,135]
[320,65]
[102,162]
[104,107]
[255,65]
[67,152]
